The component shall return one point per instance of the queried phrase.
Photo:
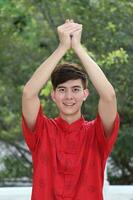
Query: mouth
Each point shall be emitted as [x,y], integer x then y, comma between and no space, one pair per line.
[69,104]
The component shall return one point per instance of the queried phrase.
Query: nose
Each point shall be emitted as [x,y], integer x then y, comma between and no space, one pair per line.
[69,94]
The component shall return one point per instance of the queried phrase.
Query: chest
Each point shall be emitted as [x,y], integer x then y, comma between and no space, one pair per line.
[68,151]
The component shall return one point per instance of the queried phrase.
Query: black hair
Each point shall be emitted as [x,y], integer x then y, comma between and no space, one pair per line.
[66,72]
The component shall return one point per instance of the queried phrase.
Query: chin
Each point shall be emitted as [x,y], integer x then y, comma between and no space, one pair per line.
[70,112]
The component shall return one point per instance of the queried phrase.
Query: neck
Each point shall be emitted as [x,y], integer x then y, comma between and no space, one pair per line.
[71,118]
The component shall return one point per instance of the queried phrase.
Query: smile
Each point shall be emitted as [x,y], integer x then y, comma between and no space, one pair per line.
[66,104]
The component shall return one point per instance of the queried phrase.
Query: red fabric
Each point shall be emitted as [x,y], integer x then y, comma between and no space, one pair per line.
[68,160]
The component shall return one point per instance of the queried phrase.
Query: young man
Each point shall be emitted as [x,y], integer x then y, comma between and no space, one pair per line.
[69,153]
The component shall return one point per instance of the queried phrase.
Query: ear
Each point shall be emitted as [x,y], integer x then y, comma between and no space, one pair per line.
[53,95]
[86,94]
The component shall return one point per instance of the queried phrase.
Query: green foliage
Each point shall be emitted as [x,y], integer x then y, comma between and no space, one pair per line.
[28,37]
[49,107]
[116,57]
[122,158]
[15,167]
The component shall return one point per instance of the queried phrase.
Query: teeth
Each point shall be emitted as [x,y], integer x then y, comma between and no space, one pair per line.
[68,104]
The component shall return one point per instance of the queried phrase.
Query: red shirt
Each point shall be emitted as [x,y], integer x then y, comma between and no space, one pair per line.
[68,160]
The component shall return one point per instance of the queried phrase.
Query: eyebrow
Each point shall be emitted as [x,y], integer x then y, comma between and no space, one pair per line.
[75,86]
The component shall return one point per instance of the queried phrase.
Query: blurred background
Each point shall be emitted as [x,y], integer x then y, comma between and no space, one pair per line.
[28,36]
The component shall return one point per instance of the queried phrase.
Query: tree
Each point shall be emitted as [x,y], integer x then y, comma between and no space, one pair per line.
[28,36]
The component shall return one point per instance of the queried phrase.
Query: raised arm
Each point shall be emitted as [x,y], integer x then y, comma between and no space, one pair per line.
[30,100]
[107,106]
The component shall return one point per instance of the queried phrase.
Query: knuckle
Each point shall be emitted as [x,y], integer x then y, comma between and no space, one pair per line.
[59,27]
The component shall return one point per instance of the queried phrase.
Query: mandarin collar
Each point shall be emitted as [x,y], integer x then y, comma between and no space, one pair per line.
[68,128]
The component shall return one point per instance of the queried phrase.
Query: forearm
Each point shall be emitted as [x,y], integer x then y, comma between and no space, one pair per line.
[42,74]
[96,75]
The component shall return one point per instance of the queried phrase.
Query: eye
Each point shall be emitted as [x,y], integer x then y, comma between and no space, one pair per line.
[61,90]
[75,90]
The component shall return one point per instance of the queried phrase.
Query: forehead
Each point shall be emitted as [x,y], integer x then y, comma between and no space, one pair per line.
[71,83]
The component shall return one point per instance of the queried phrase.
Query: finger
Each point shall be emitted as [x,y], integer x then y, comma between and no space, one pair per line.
[63,26]
[71,20]
[79,27]
[72,31]
[75,31]
[67,20]
[68,27]
[71,26]
[70,23]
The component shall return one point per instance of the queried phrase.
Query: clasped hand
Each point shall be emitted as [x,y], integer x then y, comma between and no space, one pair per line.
[69,34]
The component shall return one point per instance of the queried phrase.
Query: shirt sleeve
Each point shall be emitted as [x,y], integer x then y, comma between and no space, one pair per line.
[32,138]
[106,143]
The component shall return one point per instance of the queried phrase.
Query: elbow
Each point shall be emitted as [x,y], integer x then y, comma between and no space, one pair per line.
[109,96]
[27,93]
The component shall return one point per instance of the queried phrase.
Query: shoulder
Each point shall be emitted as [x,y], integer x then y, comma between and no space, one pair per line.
[89,125]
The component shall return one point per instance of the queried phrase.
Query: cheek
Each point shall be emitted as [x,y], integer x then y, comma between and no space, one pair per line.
[58,99]
[80,98]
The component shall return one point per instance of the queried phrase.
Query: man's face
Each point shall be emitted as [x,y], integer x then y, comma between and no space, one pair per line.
[69,97]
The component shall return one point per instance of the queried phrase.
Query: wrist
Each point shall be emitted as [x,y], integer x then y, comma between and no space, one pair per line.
[77,47]
[62,48]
